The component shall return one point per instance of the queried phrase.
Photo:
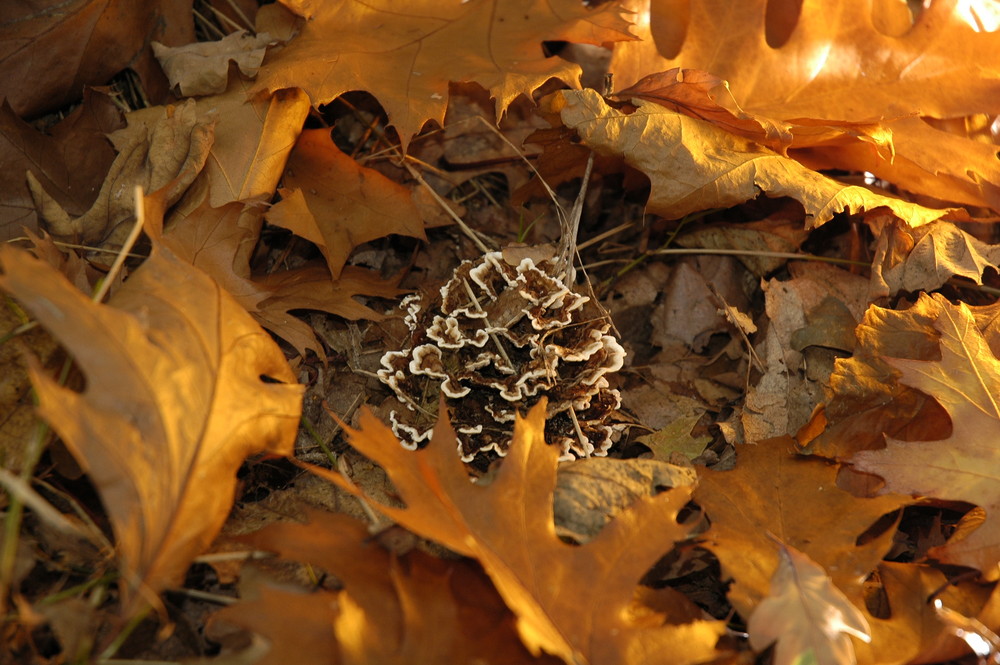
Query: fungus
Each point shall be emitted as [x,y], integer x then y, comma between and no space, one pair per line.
[501,336]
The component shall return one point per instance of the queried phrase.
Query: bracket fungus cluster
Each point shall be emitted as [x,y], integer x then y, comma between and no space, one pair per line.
[503,334]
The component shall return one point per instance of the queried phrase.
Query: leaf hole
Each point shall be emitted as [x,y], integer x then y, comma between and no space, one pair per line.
[876,599]
[780,20]
[878,528]
[668,25]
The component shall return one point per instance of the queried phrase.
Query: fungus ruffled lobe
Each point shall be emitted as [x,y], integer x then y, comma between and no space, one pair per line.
[501,337]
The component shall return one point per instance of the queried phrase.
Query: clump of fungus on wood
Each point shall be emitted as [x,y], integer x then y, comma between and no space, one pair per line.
[505,333]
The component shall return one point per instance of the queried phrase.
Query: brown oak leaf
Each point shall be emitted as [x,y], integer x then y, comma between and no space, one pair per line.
[574,602]
[865,62]
[965,381]
[410,608]
[334,202]
[811,620]
[796,499]
[407,56]
[694,165]
[70,160]
[59,47]
[174,401]
[220,242]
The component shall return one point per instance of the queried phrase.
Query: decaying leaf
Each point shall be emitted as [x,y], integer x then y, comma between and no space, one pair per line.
[160,148]
[702,95]
[796,499]
[334,202]
[807,615]
[865,62]
[202,68]
[404,56]
[924,258]
[70,161]
[868,402]
[694,165]
[589,493]
[220,241]
[51,50]
[411,608]
[791,386]
[570,601]
[174,401]
[965,380]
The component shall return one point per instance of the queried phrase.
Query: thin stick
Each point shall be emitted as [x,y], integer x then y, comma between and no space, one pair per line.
[447,208]
[71,245]
[604,236]
[747,252]
[133,236]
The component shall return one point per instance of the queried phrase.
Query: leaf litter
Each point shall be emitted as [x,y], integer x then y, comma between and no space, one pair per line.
[799,270]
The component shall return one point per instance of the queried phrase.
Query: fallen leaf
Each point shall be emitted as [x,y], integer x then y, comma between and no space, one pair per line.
[929,160]
[796,499]
[862,62]
[508,527]
[676,439]
[908,630]
[781,232]
[297,626]
[250,149]
[202,68]
[806,615]
[894,63]
[159,148]
[406,58]
[59,47]
[701,95]
[71,160]
[693,165]
[590,492]
[411,608]
[867,400]
[965,466]
[785,396]
[174,402]
[220,241]
[924,258]
[337,204]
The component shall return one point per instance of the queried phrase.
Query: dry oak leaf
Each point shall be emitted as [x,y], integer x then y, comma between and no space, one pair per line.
[49,50]
[410,608]
[694,165]
[807,615]
[794,381]
[407,56]
[853,61]
[966,465]
[574,602]
[867,400]
[160,148]
[220,242]
[906,628]
[252,140]
[202,68]
[174,402]
[331,200]
[294,626]
[70,160]
[796,499]
[843,61]
[924,258]
[701,95]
